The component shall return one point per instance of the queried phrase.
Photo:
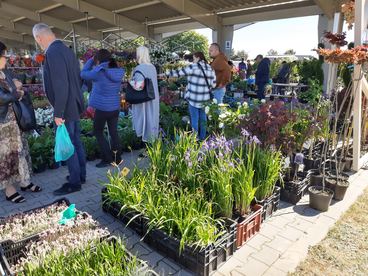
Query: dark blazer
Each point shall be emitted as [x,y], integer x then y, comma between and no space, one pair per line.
[263,71]
[61,75]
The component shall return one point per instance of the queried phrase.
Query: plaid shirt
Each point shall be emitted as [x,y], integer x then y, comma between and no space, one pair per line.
[198,91]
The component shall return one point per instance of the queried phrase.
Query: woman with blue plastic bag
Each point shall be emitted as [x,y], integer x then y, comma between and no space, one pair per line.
[15,163]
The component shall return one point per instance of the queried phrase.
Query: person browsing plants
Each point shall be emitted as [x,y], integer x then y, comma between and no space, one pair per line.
[15,168]
[61,75]
[105,98]
[201,79]
[222,70]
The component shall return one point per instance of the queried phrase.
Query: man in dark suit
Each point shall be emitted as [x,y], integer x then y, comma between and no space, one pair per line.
[61,76]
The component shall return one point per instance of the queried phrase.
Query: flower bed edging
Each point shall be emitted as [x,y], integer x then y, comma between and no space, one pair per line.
[250,226]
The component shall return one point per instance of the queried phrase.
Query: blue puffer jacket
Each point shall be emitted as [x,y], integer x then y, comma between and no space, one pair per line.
[106,85]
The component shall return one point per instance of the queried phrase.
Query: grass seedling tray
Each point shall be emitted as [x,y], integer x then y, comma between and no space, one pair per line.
[201,262]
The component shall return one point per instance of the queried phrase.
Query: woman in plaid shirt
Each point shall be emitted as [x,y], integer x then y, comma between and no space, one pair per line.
[201,79]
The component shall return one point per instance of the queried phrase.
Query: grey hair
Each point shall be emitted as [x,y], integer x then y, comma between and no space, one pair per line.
[41,29]
[143,56]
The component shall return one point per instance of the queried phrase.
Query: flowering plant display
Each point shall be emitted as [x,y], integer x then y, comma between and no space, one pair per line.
[356,55]
[348,9]
[19,226]
[337,39]
[222,119]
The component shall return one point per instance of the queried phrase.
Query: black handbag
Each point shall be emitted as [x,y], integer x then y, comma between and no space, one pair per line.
[134,96]
[206,79]
[24,113]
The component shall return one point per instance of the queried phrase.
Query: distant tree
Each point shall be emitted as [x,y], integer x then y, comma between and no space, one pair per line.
[235,55]
[290,52]
[272,52]
[187,41]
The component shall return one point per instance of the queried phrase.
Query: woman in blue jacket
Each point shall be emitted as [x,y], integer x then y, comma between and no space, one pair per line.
[106,77]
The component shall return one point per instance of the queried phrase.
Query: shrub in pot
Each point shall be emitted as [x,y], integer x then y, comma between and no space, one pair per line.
[320,198]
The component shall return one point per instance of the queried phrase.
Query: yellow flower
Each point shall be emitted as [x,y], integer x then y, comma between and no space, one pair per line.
[125,171]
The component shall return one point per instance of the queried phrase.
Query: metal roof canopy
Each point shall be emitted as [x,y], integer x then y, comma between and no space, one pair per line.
[149,18]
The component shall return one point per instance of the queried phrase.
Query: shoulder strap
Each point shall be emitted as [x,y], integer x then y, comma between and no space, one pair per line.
[139,72]
[205,76]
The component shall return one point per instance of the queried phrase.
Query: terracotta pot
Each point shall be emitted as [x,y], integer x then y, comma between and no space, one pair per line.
[320,199]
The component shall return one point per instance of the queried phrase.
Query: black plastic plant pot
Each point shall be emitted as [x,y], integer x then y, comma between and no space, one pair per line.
[339,187]
[315,178]
[310,164]
[348,163]
[319,198]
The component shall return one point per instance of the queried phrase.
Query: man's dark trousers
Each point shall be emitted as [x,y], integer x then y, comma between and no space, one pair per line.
[76,163]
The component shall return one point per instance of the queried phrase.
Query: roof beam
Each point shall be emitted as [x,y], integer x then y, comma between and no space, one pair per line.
[138,6]
[106,16]
[50,8]
[272,15]
[327,6]
[57,23]
[195,11]
[17,27]
[16,37]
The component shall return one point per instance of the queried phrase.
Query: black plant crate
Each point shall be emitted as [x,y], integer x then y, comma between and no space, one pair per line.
[200,261]
[270,204]
[11,252]
[293,193]
[131,218]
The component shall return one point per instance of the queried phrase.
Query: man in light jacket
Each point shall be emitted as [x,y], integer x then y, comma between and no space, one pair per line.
[61,76]
[222,69]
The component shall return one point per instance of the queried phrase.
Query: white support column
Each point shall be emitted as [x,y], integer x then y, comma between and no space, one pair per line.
[359,26]
[224,37]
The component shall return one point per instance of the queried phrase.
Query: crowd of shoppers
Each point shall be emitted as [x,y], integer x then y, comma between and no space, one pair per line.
[63,82]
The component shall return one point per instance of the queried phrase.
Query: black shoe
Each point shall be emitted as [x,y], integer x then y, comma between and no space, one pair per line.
[102,164]
[67,188]
[83,181]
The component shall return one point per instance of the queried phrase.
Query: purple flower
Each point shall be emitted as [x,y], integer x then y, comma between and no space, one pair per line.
[299,158]
[244,132]
[256,140]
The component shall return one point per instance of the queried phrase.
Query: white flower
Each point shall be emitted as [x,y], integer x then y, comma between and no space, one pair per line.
[222,115]
[263,101]
[245,104]
[207,109]
[210,117]
[214,101]
[241,116]
[221,125]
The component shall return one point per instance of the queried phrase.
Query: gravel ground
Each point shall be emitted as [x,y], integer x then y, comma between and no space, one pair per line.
[345,249]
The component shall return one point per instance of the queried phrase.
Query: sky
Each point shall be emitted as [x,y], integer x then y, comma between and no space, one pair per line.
[300,34]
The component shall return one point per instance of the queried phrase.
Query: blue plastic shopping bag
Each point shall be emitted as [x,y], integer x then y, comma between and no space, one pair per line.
[64,148]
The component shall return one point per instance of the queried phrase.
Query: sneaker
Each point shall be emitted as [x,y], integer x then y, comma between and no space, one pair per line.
[83,181]
[67,188]
[102,164]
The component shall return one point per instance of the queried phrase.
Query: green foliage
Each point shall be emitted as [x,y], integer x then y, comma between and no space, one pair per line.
[313,94]
[41,149]
[186,216]
[170,120]
[290,52]
[267,171]
[311,69]
[132,44]
[86,126]
[105,258]
[91,147]
[275,67]
[188,41]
